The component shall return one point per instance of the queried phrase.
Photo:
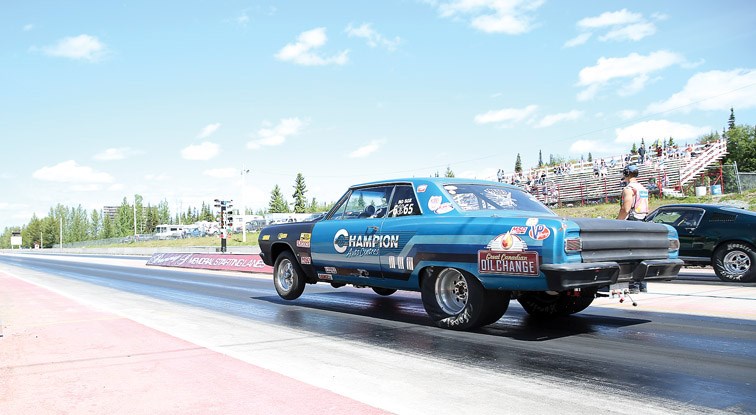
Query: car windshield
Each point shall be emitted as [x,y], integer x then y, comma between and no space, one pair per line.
[472,197]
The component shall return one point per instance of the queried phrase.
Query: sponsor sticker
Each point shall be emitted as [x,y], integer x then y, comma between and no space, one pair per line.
[362,245]
[303,244]
[282,235]
[518,230]
[539,232]
[330,270]
[444,208]
[434,203]
[266,237]
[507,243]
[325,277]
[305,260]
[508,263]
[305,236]
[421,188]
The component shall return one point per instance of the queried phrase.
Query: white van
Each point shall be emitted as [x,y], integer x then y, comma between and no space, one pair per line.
[170,231]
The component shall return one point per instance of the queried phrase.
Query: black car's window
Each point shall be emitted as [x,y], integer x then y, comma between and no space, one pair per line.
[492,197]
[404,202]
[368,202]
[683,218]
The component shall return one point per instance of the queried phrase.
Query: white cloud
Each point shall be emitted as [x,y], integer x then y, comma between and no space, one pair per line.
[71,172]
[208,130]
[373,38]
[82,47]
[366,150]
[278,134]
[634,32]
[622,25]
[627,114]
[225,173]
[621,17]
[512,17]
[593,146]
[552,119]
[577,40]
[86,187]
[304,51]
[712,91]
[637,68]
[506,115]
[654,129]
[119,153]
[203,151]
[28,27]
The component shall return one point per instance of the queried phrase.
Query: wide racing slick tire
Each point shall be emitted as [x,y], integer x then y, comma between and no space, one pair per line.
[383,291]
[497,303]
[288,277]
[456,300]
[545,306]
[735,262]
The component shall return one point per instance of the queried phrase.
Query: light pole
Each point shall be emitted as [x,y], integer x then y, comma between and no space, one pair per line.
[244,173]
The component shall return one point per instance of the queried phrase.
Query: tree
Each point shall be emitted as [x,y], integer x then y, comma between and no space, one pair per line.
[449,172]
[540,159]
[671,142]
[634,150]
[277,202]
[518,164]
[731,121]
[95,223]
[741,147]
[300,200]
[590,157]
[164,213]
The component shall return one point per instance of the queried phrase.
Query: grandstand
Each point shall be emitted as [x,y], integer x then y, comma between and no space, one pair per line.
[599,181]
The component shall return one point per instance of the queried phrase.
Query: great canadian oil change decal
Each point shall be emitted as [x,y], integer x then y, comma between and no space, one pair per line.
[507,255]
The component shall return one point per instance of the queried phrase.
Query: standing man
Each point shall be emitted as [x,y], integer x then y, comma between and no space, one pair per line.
[633,206]
[642,153]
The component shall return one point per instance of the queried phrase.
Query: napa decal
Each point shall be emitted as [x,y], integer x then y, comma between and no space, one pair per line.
[362,245]
[507,254]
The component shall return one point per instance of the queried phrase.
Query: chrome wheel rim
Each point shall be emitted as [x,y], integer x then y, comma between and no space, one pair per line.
[285,275]
[451,291]
[737,263]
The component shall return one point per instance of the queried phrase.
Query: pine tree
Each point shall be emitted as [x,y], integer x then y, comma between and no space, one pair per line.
[518,164]
[731,122]
[634,149]
[590,157]
[277,202]
[449,172]
[671,142]
[540,159]
[300,200]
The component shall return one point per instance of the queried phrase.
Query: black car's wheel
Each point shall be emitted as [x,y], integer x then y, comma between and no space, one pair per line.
[735,262]
[545,305]
[384,291]
[288,276]
[456,300]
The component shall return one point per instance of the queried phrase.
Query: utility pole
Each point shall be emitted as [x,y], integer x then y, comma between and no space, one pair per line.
[225,219]
[244,173]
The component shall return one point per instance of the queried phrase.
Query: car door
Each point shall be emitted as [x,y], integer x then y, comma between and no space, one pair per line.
[685,220]
[400,225]
[346,244]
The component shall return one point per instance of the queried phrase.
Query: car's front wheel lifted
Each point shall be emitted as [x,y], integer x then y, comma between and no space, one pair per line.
[288,276]
[735,262]
[456,300]
[546,305]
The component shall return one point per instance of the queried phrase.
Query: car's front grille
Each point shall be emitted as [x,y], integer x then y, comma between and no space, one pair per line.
[622,241]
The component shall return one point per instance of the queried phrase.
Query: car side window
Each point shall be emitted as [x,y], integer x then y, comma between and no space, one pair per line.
[404,202]
[690,218]
[369,202]
[667,217]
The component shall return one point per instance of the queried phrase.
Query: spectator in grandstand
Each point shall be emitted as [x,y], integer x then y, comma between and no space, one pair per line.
[642,153]
[633,206]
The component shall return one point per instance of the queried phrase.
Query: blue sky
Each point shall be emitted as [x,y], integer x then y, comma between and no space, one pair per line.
[171,100]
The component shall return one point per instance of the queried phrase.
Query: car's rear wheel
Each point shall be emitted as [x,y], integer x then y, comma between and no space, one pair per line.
[384,291]
[288,276]
[735,262]
[456,300]
[545,305]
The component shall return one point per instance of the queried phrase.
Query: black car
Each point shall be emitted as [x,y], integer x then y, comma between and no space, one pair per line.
[719,235]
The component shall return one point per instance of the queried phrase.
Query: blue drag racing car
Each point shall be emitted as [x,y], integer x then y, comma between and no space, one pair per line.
[468,246]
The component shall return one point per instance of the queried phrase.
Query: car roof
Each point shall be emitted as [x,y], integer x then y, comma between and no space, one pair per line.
[431,180]
[705,206]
